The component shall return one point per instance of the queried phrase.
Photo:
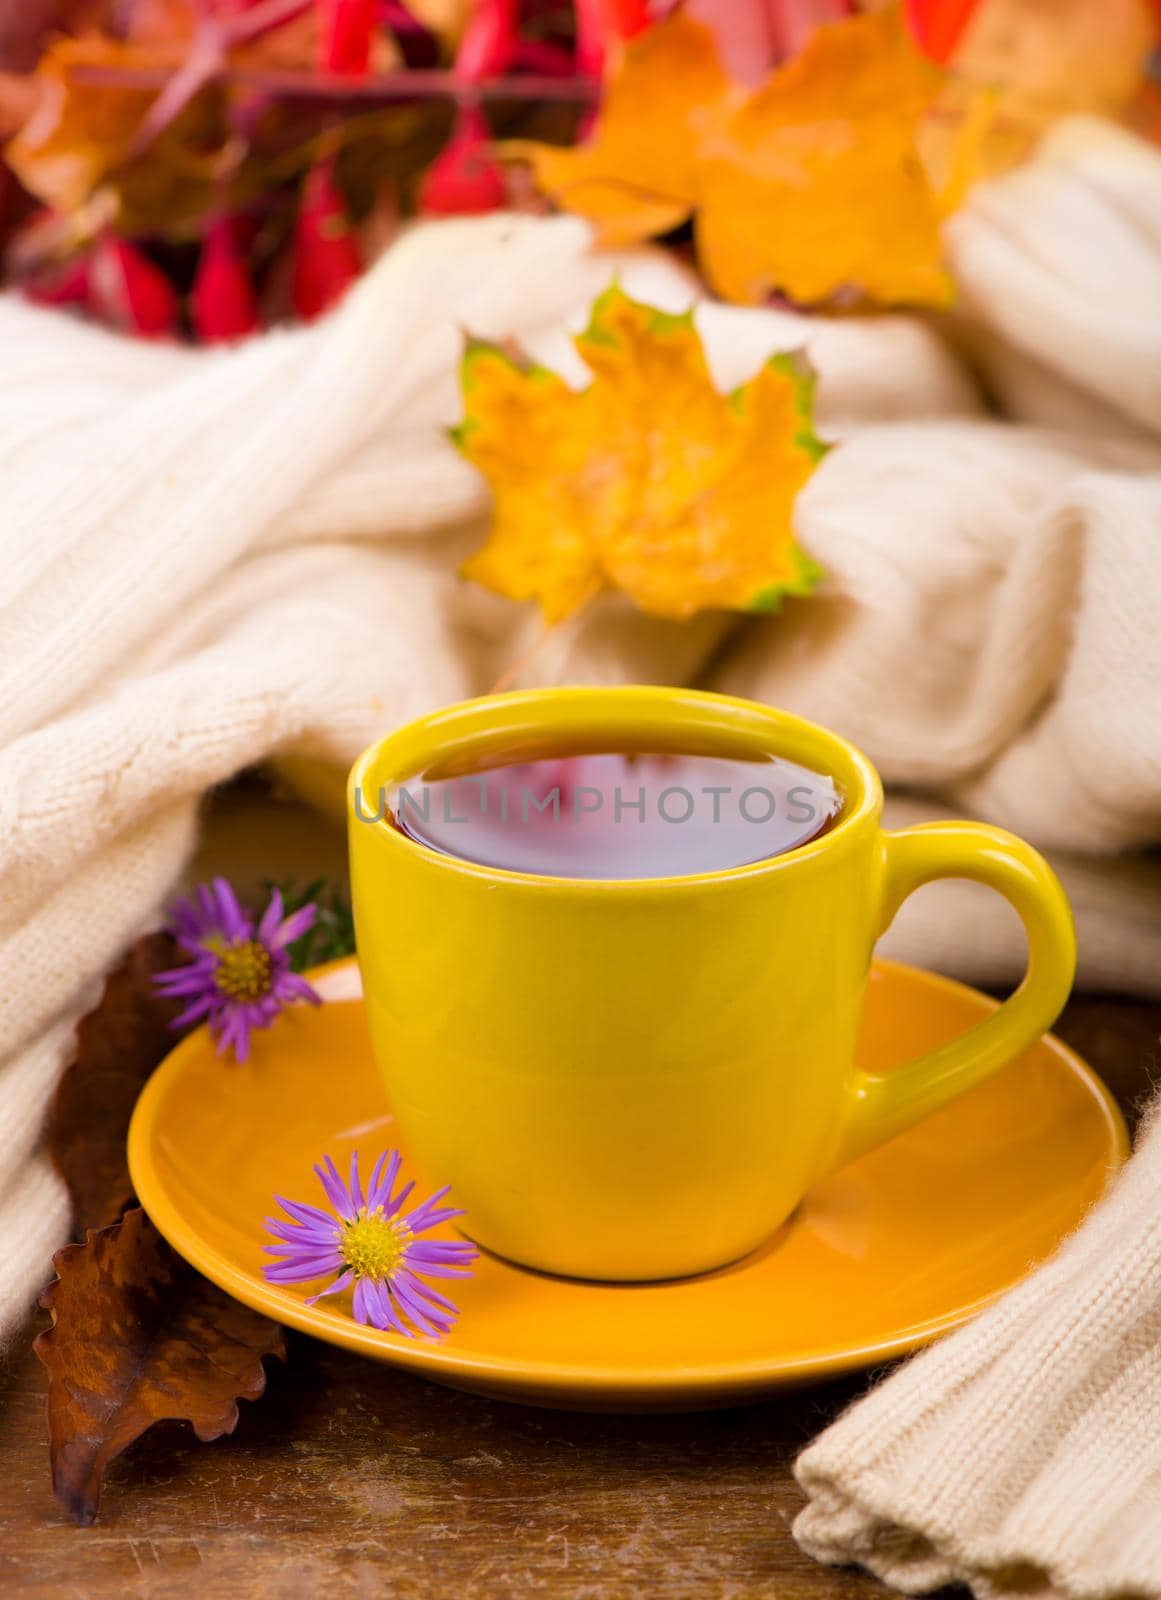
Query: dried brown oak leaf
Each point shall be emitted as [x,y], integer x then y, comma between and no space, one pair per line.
[118,1045]
[139,1337]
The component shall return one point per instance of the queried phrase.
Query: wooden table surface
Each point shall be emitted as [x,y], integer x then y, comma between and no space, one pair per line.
[352,1478]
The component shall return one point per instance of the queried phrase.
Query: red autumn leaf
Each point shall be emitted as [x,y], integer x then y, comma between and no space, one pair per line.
[26,26]
[222,301]
[601,22]
[64,287]
[113,279]
[489,40]
[346,28]
[119,1043]
[417,40]
[138,1337]
[938,25]
[326,251]
[626,17]
[131,292]
[752,36]
[543,55]
[464,180]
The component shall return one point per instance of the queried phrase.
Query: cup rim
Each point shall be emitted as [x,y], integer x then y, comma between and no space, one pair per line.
[619,707]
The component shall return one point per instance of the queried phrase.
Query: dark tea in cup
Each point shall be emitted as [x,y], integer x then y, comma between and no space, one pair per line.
[618,814]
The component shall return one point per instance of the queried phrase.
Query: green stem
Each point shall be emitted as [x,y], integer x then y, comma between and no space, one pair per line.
[419,84]
[260,19]
[213,39]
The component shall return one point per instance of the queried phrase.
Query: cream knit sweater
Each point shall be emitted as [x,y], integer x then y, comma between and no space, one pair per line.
[211,557]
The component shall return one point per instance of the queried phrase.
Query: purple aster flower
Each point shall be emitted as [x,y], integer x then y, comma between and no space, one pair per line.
[375,1245]
[238,977]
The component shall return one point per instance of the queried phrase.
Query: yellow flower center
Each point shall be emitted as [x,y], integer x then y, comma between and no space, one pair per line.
[243,969]
[373,1246]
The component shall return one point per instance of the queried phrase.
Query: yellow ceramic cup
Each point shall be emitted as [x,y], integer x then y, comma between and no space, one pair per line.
[641,1079]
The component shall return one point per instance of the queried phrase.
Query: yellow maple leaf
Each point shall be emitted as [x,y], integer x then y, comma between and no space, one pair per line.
[812,184]
[650,480]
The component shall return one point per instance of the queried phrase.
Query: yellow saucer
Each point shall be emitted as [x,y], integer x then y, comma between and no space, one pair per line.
[903,1245]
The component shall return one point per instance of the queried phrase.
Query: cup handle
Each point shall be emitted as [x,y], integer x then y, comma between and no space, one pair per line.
[884,1105]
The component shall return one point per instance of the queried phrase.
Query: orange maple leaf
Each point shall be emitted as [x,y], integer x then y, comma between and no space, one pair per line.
[812,184]
[1048,61]
[638,174]
[650,480]
[75,145]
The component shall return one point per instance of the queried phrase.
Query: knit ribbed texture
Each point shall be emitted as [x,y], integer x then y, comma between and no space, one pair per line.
[211,557]
[1022,1455]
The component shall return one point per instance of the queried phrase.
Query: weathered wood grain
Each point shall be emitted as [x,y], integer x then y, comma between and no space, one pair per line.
[353,1479]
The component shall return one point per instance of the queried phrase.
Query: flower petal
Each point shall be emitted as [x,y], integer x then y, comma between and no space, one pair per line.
[362,1311]
[415,1309]
[236,925]
[442,1270]
[340,1283]
[271,917]
[383,1177]
[431,1219]
[292,986]
[421,1215]
[301,1271]
[307,1213]
[390,1318]
[194,1012]
[336,1191]
[424,1250]
[295,925]
[190,979]
[425,1291]
[356,1188]
[234,1032]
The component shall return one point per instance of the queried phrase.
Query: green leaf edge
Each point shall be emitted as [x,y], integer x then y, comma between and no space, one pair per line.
[475,351]
[797,366]
[662,323]
[807,574]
